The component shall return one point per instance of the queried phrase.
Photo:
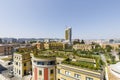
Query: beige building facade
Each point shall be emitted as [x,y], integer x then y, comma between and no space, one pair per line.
[54,69]
[113,45]
[83,46]
[67,72]
[22,64]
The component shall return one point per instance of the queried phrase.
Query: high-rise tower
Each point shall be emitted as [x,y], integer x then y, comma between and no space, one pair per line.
[68,35]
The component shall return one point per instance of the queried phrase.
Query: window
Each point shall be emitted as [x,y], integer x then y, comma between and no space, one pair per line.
[76,75]
[24,64]
[58,70]
[51,63]
[19,71]
[25,72]
[40,72]
[67,73]
[16,63]
[51,71]
[40,63]
[34,61]
[88,78]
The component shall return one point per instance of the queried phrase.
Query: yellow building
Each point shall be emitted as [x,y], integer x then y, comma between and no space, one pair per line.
[21,64]
[54,45]
[43,71]
[51,45]
[67,72]
[83,46]
[113,45]
[47,66]
[72,72]
[39,45]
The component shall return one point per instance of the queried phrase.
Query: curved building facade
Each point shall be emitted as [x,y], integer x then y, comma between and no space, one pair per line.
[43,68]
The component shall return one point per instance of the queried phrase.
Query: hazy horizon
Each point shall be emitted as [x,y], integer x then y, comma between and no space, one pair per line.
[89,19]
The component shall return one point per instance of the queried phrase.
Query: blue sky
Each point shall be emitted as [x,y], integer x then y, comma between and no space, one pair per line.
[89,19]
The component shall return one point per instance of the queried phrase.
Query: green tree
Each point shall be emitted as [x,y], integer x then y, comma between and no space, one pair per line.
[76,42]
[33,42]
[113,59]
[108,48]
[82,42]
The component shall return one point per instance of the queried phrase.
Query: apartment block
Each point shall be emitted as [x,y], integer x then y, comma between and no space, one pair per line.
[22,64]
[49,65]
[83,46]
[67,72]
[6,49]
[43,69]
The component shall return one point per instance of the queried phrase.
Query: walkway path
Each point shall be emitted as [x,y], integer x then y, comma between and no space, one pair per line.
[111,76]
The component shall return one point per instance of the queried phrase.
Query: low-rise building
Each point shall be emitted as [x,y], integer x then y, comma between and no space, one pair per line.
[22,64]
[40,45]
[83,46]
[56,65]
[6,49]
[113,45]
[54,46]
[43,68]
[69,72]
[51,45]
[47,66]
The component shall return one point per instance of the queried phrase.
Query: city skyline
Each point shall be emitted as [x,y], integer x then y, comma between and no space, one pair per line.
[48,19]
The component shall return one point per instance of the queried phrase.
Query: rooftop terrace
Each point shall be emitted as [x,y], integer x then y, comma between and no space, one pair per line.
[70,58]
[84,60]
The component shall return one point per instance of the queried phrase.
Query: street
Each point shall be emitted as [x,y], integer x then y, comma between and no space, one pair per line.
[106,65]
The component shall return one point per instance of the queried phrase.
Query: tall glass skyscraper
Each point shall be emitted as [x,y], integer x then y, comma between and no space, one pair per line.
[68,35]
